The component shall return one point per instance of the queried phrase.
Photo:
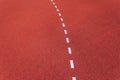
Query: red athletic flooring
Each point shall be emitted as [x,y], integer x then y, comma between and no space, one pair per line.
[33,47]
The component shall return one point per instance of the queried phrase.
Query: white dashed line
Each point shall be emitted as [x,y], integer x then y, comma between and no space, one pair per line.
[73,78]
[67,38]
[71,64]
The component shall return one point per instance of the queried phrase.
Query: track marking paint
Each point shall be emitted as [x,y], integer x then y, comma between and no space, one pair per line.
[69,50]
[57,10]
[72,66]
[59,14]
[73,78]
[63,24]
[65,32]
[67,40]
[61,19]
[55,6]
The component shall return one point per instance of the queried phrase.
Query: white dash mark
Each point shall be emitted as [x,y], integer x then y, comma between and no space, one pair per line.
[63,24]
[69,50]
[58,10]
[71,64]
[65,31]
[61,19]
[53,3]
[67,40]
[59,14]
[55,6]
[73,78]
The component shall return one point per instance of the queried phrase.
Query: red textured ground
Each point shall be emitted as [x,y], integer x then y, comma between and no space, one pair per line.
[33,47]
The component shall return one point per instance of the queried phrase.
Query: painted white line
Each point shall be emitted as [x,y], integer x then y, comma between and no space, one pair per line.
[59,14]
[65,31]
[71,64]
[67,40]
[53,3]
[57,10]
[55,6]
[69,50]
[73,78]
[61,19]
[63,24]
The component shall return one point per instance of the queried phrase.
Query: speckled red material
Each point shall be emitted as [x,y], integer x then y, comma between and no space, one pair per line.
[33,47]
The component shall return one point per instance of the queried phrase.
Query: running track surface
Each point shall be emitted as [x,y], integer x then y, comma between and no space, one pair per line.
[33,46]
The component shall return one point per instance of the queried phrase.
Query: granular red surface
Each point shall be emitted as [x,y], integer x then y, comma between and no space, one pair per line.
[33,47]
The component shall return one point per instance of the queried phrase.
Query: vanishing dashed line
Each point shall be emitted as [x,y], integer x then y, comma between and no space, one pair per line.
[72,66]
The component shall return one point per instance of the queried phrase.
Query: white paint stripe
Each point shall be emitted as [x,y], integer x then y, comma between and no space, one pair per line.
[73,78]
[53,3]
[69,50]
[61,19]
[55,6]
[57,10]
[59,14]
[63,24]
[65,31]
[67,40]
[71,64]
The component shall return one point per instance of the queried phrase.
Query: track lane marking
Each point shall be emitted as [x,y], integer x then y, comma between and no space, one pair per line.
[67,38]
[73,78]
[69,50]
[61,19]
[65,32]
[59,14]
[72,64]
[63,24]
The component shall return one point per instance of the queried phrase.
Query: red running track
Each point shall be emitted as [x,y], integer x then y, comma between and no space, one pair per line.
[33,47]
